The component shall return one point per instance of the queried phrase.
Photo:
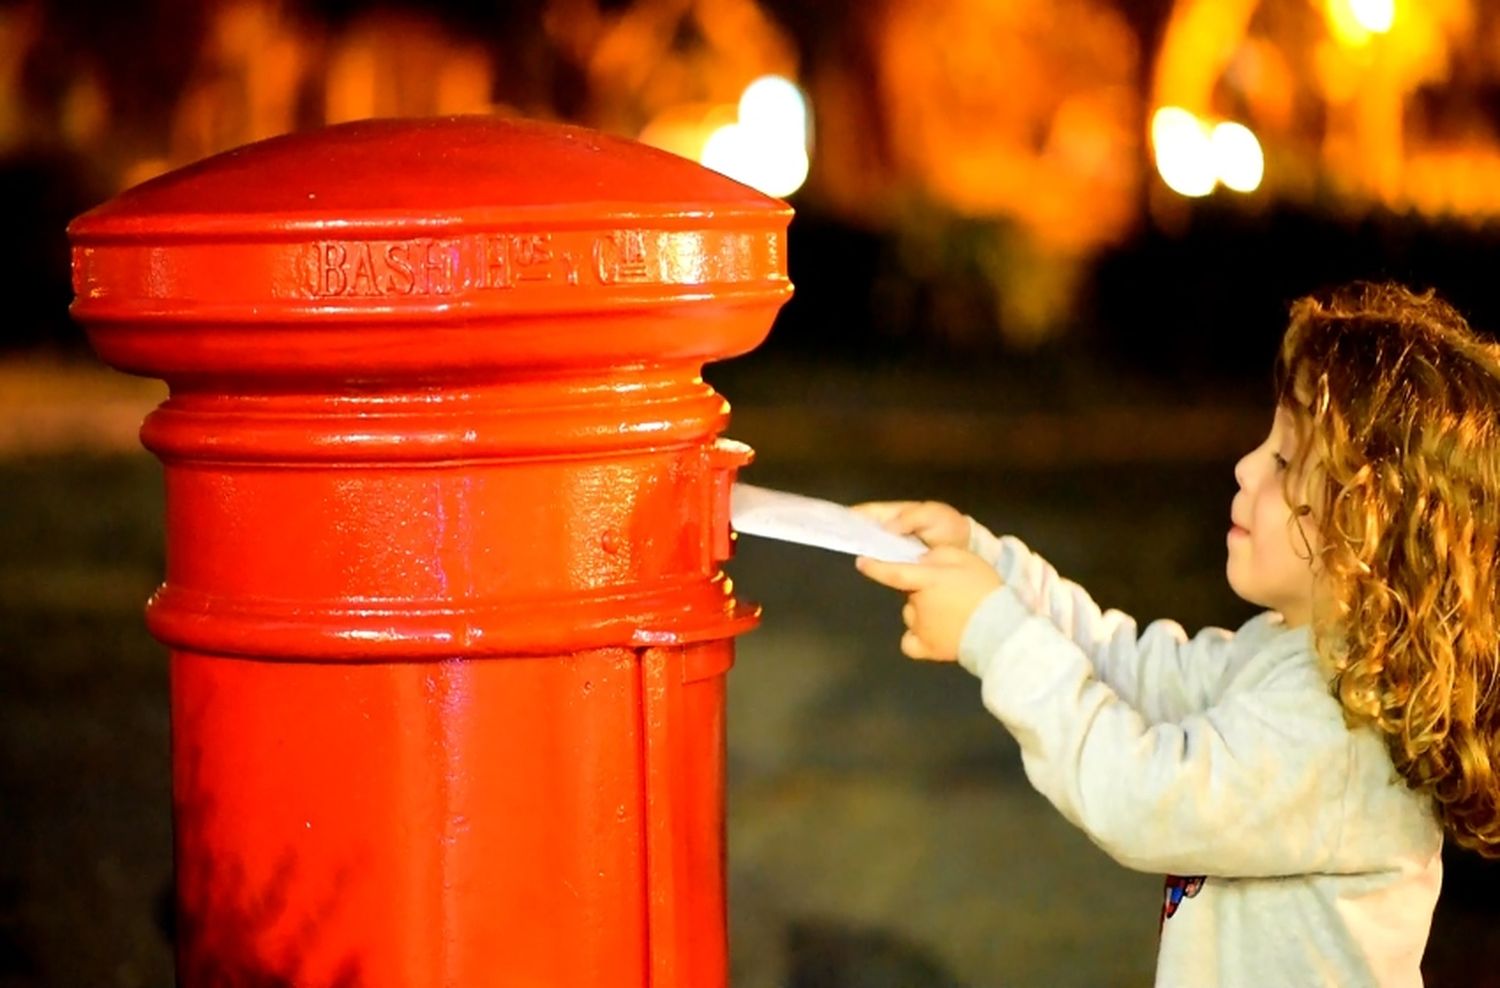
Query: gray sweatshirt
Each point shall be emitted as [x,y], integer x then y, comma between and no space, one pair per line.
[1294,854]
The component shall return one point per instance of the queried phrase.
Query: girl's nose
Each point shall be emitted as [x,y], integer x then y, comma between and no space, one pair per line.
[1240,470]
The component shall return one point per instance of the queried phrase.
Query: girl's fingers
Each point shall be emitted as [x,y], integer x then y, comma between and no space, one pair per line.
[914,516]
[931,521]
[913,647]
[880,511]
[901,517]
[909,615]
[897,576]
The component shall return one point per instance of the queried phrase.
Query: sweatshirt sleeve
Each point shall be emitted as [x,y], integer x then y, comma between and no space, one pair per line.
[1161,671]
[1249,787]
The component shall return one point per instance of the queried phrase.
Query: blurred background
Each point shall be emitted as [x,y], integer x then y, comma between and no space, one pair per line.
[1043,253]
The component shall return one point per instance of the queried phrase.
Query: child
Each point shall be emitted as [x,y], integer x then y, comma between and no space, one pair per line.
[1292,778]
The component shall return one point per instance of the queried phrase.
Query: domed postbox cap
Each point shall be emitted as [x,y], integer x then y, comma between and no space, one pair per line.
[387,247]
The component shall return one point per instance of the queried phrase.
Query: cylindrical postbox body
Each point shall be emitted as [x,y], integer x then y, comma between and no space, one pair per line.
[446,504]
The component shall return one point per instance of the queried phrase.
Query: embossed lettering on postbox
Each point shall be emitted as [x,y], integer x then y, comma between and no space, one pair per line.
[503,261]
[363,268]
[621,257]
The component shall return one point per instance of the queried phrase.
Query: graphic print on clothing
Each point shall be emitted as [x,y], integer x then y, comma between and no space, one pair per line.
[1177,889]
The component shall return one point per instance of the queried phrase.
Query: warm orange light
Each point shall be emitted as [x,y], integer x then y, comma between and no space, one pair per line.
[1193,158]
[1239,161]
[1375,16]
[1184,152]
[766,146]
[1353,22]
[685,128]
[772,104]
[777,168]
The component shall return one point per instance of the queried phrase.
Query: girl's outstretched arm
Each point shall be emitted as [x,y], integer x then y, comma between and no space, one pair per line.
[1251,786]
[1162,671]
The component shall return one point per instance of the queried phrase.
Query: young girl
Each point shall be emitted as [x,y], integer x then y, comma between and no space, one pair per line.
[1293,778]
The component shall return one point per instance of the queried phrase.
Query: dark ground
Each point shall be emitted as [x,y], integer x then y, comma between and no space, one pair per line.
[881,833]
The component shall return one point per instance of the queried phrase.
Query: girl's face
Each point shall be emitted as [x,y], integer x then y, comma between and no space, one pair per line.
[1271,545]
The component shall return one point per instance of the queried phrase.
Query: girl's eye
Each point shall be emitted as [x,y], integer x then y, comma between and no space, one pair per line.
[1281,462]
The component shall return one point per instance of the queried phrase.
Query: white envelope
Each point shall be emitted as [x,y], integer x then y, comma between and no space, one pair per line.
[815,522]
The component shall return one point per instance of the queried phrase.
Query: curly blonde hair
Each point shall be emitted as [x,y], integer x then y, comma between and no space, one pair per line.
[1399,404]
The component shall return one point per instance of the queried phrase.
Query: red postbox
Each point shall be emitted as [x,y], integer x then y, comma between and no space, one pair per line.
[445,512]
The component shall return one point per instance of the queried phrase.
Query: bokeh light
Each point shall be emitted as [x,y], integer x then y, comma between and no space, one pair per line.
[1193,156]
[774,104]
[1354,22]
[1375,16]
[1238,159]
[766,148]
[1184,152]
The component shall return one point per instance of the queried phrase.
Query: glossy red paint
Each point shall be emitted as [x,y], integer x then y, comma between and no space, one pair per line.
[446,505]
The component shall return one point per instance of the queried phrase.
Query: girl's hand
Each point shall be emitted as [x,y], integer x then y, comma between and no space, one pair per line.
[933,522]
[944,589]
